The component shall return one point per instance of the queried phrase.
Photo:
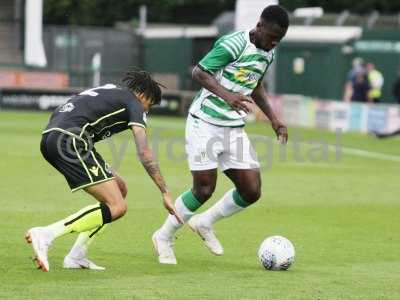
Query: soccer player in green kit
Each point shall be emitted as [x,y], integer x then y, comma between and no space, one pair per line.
[231,76]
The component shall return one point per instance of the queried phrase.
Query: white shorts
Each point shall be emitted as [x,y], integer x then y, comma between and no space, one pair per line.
[209,147]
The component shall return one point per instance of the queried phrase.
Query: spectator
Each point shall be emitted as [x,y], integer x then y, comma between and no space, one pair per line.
[360,88]
[358,68]
[375,79]
[396,87]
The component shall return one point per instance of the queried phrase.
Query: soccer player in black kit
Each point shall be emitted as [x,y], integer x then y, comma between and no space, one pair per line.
[68,145]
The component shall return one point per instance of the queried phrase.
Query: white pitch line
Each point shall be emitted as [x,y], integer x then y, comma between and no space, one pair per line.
[370,154]
[346,150]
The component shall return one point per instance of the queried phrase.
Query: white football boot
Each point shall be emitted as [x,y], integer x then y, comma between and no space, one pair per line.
[40,239]
[164,249]
[77,259]
[207,234]
[80,263]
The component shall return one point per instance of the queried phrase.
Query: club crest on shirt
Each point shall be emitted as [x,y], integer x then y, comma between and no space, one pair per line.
[67,107]
[252,77]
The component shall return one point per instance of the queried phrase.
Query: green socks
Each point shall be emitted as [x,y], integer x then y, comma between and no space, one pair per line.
[186,204]
[190,201]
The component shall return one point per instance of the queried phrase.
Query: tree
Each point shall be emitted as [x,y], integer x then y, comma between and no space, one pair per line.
[106,12]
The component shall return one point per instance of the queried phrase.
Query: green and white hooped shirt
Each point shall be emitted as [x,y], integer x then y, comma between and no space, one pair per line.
[237,65]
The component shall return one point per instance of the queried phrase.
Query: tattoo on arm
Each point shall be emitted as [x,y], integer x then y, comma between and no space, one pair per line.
[153,170]
[147,159]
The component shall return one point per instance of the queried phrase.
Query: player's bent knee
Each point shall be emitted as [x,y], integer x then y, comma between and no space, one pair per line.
[251,195]
[124,191]
[118,209]
[122,209]
[203,193]
[257,195]
[122,186]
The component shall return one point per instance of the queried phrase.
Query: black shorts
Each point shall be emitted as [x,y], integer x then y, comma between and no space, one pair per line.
[75,158]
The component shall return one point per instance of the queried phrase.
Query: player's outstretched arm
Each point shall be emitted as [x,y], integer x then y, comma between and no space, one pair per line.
[260,98]
[146,158]
[206,80]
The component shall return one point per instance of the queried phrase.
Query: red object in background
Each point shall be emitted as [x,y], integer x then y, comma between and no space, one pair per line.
[43,80]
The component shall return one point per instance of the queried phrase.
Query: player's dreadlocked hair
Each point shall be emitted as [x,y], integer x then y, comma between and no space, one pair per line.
[141,82]
[276,14]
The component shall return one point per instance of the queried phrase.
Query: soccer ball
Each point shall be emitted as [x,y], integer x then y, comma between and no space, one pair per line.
[276,253]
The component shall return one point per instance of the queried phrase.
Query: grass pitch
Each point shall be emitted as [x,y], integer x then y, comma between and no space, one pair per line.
[341,211]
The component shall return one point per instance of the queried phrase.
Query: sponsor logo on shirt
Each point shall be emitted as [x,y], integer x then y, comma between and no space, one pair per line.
[245,75]
[67,107]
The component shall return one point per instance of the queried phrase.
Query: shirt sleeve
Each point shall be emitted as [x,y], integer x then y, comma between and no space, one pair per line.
[226,50]
[270,61]
[136,114]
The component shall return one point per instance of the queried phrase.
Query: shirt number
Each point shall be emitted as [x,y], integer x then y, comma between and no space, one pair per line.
[92,92]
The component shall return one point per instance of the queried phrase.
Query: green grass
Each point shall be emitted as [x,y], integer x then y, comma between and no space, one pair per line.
[342,216]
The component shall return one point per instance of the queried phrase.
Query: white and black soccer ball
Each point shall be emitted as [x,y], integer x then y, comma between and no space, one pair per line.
[276,253]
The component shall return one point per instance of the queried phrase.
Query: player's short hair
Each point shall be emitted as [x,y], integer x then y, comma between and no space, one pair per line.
[141,82]
[275,14]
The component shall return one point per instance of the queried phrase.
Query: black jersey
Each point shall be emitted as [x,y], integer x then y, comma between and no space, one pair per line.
[98,113]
